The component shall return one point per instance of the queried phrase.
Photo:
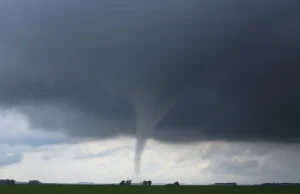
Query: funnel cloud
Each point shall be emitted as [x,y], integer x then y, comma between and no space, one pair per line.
[174,71]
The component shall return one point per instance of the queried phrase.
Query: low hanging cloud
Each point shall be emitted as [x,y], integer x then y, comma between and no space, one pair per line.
[177,71]
[9,159]
[15,130]
[9,156]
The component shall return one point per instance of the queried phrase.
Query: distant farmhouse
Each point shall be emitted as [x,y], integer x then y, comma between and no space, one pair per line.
[34,182]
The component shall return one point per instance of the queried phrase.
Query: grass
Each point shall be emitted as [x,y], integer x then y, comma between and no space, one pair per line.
[110,189]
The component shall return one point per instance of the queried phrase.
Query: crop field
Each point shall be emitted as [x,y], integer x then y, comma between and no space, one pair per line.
[111,189]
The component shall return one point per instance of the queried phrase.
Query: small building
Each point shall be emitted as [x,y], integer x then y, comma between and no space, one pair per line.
[34,182]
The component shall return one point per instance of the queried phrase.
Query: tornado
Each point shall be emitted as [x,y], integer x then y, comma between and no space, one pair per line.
[139,147]
[148,114]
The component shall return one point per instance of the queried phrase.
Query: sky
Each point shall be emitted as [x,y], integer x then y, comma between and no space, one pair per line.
[188,91]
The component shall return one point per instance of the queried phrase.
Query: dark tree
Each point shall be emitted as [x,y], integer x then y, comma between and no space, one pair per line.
[147,183]
[122,182]
[128,182]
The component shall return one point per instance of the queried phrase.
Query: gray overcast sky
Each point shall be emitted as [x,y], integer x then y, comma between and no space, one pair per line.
[176,72]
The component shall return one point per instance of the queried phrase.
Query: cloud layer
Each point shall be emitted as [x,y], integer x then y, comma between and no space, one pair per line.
[191,70]
[16,138]
[109,161]
[197,163]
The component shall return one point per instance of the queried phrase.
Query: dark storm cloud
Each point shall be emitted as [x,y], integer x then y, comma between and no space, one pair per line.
[87,68]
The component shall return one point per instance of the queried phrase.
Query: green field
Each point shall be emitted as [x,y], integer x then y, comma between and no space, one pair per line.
[94,189]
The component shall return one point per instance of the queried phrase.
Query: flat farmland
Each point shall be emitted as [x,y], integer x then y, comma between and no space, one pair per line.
[116,189]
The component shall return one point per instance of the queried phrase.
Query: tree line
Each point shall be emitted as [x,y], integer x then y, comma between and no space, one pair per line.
[145,183]
[13,182]
[7,182]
